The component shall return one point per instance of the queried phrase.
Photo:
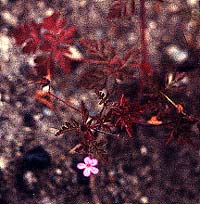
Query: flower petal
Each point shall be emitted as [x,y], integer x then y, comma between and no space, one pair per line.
[86,172]
[87,160]
[81,166]
[94,162]
[94,170]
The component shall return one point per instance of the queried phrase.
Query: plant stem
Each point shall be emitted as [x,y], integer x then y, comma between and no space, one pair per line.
[73,150]
[170,100]
[143,31]
[103,132]
[143,46]
[95,197]
[64,102]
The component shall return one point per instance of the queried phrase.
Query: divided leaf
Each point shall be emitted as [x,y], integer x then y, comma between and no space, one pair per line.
[103,97]
[52,37]
[100,50]
[28,35]
[54,23]
[73,125]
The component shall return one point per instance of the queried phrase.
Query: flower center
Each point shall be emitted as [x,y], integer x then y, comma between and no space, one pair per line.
[88,165]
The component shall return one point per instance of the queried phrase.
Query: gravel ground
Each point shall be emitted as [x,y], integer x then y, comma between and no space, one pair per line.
[141,169]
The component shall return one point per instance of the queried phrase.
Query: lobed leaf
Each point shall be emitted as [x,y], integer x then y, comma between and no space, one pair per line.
[73,125]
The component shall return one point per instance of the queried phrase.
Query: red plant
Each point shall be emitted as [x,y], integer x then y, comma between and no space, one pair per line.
[28,35]
[106,66]
[126,114]
[107,70]
[53,39]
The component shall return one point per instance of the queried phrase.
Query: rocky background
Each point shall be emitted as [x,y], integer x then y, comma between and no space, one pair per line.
[35,167]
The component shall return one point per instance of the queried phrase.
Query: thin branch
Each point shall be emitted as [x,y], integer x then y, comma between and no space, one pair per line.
[177,106]
[64,102]
[143,31]
[73,150]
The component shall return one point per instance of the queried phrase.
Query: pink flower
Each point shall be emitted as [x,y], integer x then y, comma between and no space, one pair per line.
[88,166]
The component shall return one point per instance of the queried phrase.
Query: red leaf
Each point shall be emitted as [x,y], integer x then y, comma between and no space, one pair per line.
[30,47]
[54,39]
[67,33]
[21,34]
[84,112]
[99,50]
[54,23]
[29,34]
[45,46]
[42,63]
[49,37]
[146,69]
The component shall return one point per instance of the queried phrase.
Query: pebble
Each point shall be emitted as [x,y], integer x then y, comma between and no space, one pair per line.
[3,162]
[143,150]
[36,159]
[30,177]
[9,18]
[47,112]
[29,120]
[144,199]
[58,172]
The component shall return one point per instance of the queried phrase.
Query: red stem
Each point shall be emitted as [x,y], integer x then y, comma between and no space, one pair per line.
[143,31]
[143,44]
[64,102]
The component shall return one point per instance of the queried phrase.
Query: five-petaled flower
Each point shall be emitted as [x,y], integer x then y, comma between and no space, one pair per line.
[88,166]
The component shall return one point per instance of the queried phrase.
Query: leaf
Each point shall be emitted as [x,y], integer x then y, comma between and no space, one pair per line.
[29,35]
[176,79]
[121,112]
[57,40]
[93,79]
[67,33]
[100,50]
[43,97]
[154,121]
[52,37]
[147,70]
[73,125]
[122,9]
[106,74]
[53,23]
[84,113]
[103,97]
[126,114]
[42,63]
[181,130]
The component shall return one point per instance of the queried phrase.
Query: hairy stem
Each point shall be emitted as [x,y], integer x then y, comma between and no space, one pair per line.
[64,102]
